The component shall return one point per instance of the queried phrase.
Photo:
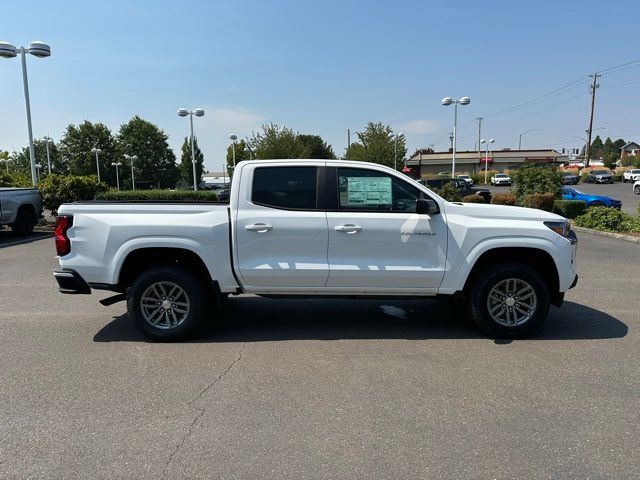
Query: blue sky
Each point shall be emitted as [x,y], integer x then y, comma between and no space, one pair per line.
[325,67]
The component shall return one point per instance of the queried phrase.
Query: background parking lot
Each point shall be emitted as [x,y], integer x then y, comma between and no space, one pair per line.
[621,191]
[320,389]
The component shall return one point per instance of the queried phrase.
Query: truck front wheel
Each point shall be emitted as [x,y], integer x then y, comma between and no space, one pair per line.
[166,303]
[509,300]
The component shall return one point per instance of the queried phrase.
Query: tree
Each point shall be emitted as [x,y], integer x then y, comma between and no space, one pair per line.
[76,144]
[275,142]
[376,145]
[186,165]
[156,165]
[312,146]
[22,160]
[596,147]
[241,155]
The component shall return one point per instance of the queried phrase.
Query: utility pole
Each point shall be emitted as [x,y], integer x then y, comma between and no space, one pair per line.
[451,141]
[479,136]
[592,88]
[348,138]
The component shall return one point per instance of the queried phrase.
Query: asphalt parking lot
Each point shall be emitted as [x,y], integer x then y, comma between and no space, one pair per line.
[621,191]
[320,389]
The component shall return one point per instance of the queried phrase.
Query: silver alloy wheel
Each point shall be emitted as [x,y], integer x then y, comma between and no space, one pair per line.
[512,302]
[164,305]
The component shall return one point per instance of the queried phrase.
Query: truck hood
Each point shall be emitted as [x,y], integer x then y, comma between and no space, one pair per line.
[505,212]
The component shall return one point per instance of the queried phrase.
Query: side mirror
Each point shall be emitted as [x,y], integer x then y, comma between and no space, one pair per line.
[426,206]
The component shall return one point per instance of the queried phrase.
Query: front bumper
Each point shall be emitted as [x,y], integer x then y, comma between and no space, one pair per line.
[70,281]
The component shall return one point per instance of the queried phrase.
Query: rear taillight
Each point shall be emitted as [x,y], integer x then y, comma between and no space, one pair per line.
[63,245]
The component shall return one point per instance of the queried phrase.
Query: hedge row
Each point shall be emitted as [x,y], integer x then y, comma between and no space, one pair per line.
[569,208]
[14,180]
[59,189]
[541,201]
[503,199]
[160,195]
[472,199]
[608,220]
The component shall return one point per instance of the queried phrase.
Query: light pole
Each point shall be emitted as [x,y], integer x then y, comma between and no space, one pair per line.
[48,141]
[524,133]
[118,164]
[249,150]
[486,158]
[40,50]
[395,137]
[38,167]
[233,137]
[97,151]
[446,101]
[198,112]
[132,158]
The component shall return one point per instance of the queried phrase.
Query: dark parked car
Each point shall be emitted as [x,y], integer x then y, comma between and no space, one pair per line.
[591,200]
[600,176]
[569,178]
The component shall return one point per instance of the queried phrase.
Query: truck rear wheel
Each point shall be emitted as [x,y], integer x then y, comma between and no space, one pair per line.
[509,300]
[25,221]
[166,303]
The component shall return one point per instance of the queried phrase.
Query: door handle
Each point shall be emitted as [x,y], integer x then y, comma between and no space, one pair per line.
[258,227]
[348,228]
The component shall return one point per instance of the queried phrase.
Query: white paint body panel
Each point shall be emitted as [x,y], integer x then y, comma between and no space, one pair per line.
[393,254]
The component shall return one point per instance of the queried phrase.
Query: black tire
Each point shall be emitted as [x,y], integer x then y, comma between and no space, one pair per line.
[596,204]
[636,189]
[197,303]
[492,277]
[25,221]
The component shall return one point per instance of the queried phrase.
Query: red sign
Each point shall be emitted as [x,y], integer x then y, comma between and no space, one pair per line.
[486,159]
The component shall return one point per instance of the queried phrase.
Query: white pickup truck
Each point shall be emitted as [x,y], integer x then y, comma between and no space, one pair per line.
[310,228]
[20,208]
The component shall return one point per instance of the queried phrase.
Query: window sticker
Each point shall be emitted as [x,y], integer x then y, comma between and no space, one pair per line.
[369,191]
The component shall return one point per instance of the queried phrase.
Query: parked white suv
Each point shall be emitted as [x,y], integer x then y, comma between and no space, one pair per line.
[631,175]
[501,179]
[316,228]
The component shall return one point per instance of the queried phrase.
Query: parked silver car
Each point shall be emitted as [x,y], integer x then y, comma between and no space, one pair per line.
[600,176]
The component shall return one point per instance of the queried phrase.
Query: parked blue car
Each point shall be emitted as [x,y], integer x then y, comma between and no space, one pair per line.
[590,200]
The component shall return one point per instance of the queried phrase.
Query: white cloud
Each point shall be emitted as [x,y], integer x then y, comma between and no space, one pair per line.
[238,120]
[417,127]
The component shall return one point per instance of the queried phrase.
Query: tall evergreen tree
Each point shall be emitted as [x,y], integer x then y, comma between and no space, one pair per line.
[186,164]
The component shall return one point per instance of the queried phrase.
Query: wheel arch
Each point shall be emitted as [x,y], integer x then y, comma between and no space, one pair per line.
[536,258]
[140,259]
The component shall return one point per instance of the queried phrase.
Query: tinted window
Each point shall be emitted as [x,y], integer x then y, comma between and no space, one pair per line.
[285,187]
[360,189]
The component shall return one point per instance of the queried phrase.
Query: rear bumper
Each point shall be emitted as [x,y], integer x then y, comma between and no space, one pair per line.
[70,282]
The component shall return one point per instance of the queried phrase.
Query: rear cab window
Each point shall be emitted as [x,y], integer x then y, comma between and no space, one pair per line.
[288,188]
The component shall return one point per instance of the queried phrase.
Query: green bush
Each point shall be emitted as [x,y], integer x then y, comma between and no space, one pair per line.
[59,189]
[608,220]
[14,179]
[159,195]
[536,179]
[541,201]
[472,199]
[569,208]
[617,178]
[448,192]
[503,199]
[476,178]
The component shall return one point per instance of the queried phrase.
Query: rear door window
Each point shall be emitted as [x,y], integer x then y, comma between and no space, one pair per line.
[289,188]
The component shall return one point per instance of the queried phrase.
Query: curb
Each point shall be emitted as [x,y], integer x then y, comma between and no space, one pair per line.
[619,236]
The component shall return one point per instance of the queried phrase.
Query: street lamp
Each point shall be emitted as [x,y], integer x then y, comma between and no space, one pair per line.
[118,164]
[38,167]
[6,162]
[132,158]
[97,151]
[395,137]
[523,133]
[486,158]
[198,112]
[40,50]
[48,141]
[233,137]
[446,101]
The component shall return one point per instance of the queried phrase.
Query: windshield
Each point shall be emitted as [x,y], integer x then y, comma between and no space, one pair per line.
[500,175]
[600,172]
[463,176]
[635,171]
